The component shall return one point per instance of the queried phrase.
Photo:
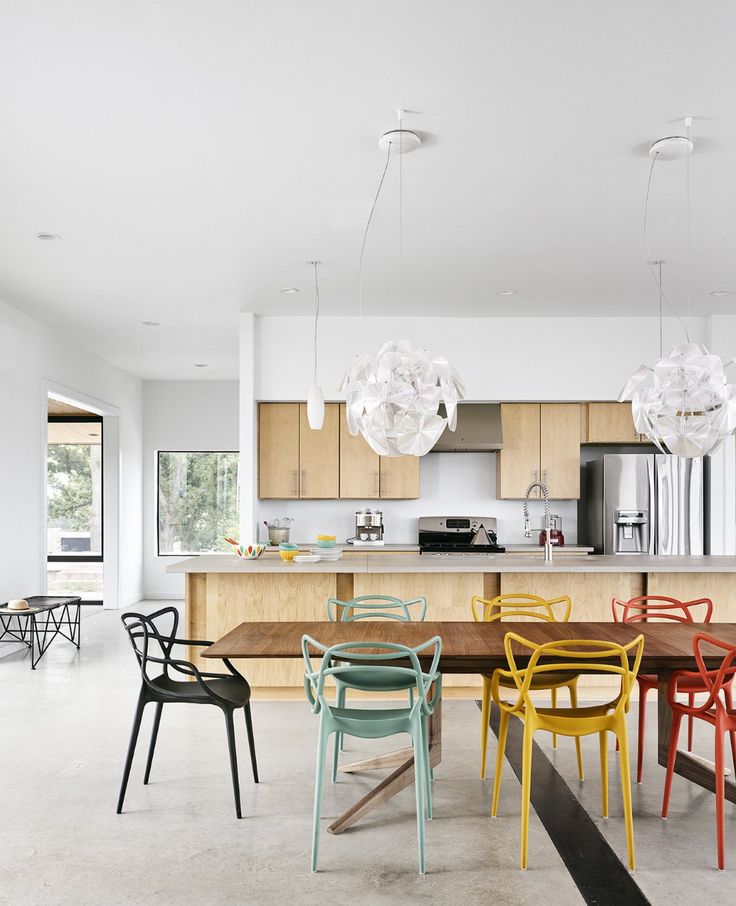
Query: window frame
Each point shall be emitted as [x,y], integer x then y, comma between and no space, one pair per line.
[158,501]
[84,558]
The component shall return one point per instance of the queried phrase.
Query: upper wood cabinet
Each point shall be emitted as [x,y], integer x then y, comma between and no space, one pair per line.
[517,463]
[540,441]
[319,455]
[399,477]
[360,466]
[278,450]
[609,423]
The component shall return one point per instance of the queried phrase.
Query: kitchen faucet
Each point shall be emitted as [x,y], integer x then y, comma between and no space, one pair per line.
[547,521]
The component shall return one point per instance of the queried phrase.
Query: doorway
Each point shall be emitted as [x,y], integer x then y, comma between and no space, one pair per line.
[74,490]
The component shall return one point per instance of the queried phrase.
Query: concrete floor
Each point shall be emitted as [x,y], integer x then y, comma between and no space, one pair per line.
[63,733]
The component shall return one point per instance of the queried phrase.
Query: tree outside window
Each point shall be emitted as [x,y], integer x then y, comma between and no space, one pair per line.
[197,501]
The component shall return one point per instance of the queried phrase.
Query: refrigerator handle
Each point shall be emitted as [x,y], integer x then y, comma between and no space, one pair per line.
[651,466]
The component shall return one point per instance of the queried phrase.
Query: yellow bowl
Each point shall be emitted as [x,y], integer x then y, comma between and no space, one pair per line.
[288,555]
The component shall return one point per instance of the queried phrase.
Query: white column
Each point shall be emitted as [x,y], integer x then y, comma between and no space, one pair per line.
[247,428]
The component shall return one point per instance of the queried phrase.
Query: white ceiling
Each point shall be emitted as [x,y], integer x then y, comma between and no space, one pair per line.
[194,153]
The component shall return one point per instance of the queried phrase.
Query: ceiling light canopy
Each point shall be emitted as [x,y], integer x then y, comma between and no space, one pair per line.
[507,292]
[289,290]
[151,323]
[48,237]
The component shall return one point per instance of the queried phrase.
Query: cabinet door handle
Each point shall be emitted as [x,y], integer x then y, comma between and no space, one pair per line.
[304,482]
[294,483]
[377,486]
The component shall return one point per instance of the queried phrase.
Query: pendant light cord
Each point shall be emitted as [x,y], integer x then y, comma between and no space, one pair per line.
[316,318]
[650,262]
[688,121]
[365,237]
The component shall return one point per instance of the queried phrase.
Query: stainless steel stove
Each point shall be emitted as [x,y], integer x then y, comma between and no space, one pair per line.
[459,536]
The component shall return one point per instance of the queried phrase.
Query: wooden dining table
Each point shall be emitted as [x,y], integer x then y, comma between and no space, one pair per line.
[479,647]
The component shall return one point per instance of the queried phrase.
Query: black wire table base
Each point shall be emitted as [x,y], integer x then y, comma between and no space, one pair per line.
[60,617]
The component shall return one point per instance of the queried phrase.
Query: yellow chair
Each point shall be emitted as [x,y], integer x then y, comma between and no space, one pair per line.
[532,607]
[582,656]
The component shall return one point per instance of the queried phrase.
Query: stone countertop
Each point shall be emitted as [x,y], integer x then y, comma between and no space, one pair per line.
[482,563]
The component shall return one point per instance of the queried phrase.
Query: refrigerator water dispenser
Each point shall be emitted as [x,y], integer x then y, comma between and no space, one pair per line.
[630,532]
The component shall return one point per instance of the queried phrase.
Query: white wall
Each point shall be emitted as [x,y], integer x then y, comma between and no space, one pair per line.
[179,415]
[32,354]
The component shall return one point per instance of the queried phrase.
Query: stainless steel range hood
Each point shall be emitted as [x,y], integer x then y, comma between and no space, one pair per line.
[478,430]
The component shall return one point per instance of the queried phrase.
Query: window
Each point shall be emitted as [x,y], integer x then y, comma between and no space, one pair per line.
[197,502]
[74,501]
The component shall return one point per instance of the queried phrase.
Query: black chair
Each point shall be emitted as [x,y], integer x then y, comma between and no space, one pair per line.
[228,691]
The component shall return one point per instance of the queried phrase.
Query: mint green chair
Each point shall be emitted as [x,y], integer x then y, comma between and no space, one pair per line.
[371,607]
[377,666]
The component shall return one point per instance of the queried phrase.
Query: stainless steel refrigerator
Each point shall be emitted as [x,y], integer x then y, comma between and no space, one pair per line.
[646,503]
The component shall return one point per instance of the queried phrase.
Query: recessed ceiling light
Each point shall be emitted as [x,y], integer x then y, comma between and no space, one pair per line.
[289,290]
[200,364]
[507,292]
[151,323]
[722,292]
[48,237]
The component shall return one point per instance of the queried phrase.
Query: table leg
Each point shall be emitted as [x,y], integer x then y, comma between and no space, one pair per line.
[692,768]
[398,780]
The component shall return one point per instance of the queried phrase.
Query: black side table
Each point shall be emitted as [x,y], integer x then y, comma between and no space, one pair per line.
[58,618]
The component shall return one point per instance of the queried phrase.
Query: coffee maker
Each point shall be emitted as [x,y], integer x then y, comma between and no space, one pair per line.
[368,527]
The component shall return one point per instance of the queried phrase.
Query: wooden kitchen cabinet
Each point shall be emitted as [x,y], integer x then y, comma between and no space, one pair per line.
[611,423]
[399,477]
[518,462]
[360,466]
[559,449]
[540,441]
[319,455]
[278,450]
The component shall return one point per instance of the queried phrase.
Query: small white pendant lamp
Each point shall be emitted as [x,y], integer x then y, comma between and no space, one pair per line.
[316,398]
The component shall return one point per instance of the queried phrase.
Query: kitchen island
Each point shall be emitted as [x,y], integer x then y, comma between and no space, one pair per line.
[223,591]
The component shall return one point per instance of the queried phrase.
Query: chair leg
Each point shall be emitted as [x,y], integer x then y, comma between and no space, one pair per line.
[671,756]
[503,730]
[318,782]
[626,793]
[526,789]
[337,742]
[485,717]
[251,742]
[573,687]
[691,703]
[425,755]
[420,788]
[233,759]
[554,705]
[154,737]
[131,748]
[728,698]
[720,778]
[640,738]
[603,745]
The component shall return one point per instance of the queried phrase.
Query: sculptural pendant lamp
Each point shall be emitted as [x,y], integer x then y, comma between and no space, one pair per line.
[393,397]
[315,398]
[683,404]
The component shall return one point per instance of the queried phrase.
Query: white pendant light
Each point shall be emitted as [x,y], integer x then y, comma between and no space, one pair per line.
[683,404]
[315,398]
[393,397]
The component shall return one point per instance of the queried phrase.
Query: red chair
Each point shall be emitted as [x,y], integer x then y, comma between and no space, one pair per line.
[660,607]
[716,711]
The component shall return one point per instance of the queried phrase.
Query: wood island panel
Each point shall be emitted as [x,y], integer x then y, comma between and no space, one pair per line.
[448,598]
[719,587]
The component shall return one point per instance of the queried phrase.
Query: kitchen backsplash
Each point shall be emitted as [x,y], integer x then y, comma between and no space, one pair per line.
[452,484]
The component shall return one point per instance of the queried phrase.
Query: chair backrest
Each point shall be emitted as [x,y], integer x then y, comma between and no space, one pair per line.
[153,637]
[530,607]
[651,608]
[350,658]
[571,656]
[714,680]
[376,607]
